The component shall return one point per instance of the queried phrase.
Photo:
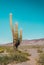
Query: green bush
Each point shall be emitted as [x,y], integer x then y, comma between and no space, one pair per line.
[39,50]
[41,59]
[17,56]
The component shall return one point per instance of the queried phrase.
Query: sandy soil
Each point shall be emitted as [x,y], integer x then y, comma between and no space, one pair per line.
[33,57]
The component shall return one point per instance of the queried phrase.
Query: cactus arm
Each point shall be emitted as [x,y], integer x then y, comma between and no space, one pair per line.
[20,35]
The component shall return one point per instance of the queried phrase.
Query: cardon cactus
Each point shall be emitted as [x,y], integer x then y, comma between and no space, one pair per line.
[16,37]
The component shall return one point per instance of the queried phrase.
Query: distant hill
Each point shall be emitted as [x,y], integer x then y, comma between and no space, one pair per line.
[7,44]
[33,42]
[28,42]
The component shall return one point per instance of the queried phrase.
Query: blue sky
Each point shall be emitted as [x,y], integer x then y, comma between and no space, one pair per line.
[28,13]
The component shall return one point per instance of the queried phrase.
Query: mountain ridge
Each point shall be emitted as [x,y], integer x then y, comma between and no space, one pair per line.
[28,42]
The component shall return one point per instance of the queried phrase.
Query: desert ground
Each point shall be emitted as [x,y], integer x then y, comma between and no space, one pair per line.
[33,58]
[35,48]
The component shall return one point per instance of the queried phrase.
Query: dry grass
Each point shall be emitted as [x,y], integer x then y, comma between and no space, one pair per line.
[14,55]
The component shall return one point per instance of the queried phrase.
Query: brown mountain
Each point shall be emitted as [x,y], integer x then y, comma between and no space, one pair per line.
[28,42]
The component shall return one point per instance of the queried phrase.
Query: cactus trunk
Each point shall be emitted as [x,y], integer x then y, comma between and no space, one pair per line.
[16,38]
